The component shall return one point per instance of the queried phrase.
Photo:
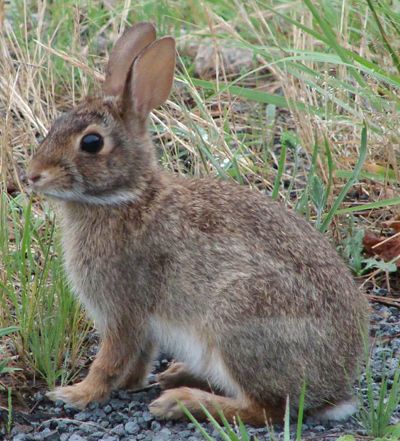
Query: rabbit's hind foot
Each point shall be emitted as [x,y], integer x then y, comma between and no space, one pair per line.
[169,406]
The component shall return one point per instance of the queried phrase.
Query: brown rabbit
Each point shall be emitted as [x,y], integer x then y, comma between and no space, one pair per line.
[246,294]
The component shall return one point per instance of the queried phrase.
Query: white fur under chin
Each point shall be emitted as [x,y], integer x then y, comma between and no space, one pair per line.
[339,412]
[118,198]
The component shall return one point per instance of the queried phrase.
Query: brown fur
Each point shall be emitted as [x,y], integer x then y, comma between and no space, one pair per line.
[254,284]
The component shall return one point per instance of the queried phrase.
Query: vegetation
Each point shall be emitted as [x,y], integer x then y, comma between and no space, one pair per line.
[311,118]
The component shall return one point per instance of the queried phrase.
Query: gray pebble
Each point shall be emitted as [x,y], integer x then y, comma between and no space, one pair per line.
[118,430]
[22,437]
[49,435]
[117,417]
[107,409]
[38,396]
[69,408]
[95,436]
[123,395]
[82,416]
[132,428]
[319,428]
[147,416]
[117,404]
[155,426]
[75,437]
[99,414]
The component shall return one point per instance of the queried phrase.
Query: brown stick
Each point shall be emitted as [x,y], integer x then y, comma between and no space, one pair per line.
[391,301]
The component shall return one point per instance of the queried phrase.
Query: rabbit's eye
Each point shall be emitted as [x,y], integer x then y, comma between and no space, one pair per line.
[92,143]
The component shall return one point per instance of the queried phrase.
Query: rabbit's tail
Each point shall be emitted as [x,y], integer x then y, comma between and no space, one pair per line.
[172,402]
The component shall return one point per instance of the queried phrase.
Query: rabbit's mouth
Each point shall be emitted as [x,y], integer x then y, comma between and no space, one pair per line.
[47,181]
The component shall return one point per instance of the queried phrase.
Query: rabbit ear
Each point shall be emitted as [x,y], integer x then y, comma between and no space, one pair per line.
[152,76]
[125,50]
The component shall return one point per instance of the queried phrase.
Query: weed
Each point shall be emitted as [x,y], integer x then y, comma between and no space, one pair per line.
[34,291]
[382,401]
[4,361]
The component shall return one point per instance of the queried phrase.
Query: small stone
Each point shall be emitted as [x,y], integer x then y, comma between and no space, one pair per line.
[98,414]
[95,436]
[147,416]
[64,436]
[82,416]
[109,438]
[119,430]
[155,426]
[319,428]
[62,426]
[50,435]
[107,409]
[117,418]
[38,396]
[70,409]
[76,437]
[117,404]
[123,395]
[132,428]
[21,437]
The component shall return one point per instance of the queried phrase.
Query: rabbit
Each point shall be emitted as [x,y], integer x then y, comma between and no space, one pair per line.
[245,294]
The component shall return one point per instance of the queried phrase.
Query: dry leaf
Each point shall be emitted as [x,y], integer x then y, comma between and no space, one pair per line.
[387,248]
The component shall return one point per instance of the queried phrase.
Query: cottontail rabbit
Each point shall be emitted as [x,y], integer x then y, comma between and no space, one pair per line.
[245,293]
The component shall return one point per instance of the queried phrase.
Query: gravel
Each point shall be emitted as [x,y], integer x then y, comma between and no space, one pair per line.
[125,415]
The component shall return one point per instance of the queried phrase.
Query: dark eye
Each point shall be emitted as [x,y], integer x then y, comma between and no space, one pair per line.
[92,143]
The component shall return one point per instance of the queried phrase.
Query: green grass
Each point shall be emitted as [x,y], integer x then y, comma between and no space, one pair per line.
[51,327]
[325,90]
[376,413]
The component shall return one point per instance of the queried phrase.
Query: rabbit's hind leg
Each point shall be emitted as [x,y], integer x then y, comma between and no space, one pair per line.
[168,406]
[178,375]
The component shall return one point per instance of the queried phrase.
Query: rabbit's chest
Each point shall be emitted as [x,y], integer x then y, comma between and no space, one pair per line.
[89,267]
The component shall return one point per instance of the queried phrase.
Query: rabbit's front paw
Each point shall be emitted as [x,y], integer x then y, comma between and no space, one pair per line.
[79,395]
[168,405]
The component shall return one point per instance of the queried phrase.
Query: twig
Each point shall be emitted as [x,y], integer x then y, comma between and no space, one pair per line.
[75,422]
[143,389]
[385,300]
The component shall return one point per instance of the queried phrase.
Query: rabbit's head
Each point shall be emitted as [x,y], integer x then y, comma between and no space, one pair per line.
[100,151]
